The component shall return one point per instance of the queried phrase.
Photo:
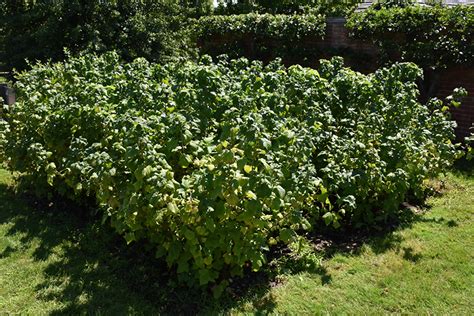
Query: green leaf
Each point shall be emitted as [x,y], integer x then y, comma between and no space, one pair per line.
[210,224]
[281,191]
[130,237]
[328,218]
[324,196]
[286,235]
[190,236]
[147,171]
[173,208]
[248,169]
[250,195]
[174,251]
[78,187]
[184,161]
[267,144]
[204,277]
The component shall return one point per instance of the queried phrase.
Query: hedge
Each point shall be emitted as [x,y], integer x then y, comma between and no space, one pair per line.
[431,36]
[327,8]
[215,163]
[261,36]
[278,26]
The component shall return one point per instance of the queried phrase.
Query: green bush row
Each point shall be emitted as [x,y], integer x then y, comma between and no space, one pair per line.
[214,163]
[289,27]
[154,29]
[262,36]
[324,7]
[431,36]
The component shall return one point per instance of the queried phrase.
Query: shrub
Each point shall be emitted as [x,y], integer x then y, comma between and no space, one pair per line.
[327,8]
[276,26]
[431,36]
[215,163]
[385,4]
[40,30]
[260,36]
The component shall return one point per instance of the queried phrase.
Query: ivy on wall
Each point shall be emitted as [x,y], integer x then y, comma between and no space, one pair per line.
[431,36]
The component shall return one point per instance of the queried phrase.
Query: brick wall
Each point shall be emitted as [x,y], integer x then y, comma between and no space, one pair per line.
[337,36]
[7,94]
[454,78]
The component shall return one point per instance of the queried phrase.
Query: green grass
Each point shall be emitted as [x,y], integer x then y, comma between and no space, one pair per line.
[427,267]
[56,260]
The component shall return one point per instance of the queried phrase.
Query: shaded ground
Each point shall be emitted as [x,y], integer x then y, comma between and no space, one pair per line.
[54,261]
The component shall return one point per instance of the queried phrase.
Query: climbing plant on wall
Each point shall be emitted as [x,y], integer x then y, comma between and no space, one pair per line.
[431,36]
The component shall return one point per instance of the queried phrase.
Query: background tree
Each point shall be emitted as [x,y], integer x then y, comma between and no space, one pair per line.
[41,29]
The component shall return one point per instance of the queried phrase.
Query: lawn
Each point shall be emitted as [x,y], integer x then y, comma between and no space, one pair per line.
[54,261]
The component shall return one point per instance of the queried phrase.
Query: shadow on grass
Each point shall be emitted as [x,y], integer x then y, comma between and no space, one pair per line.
[91,270]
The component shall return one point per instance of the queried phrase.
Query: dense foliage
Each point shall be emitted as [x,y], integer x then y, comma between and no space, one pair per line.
[215,163]
[157,29]
[385,4]
[324,7]
[432,36]
[41,29]
[265,30]
[259,36]
[276,26]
